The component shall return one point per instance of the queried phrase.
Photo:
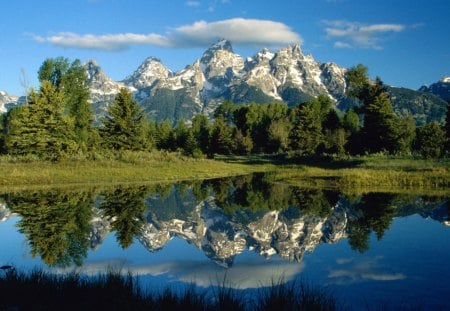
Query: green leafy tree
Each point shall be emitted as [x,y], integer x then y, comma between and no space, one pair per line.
[405,134]
[350,122]
[71,81]
[430,140]
[125,127]
[278,136]
[242,145]
[40,127]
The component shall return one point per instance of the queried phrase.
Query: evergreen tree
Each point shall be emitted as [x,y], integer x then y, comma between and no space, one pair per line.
[181,134]
[306,134]
[201,131]
[165,136]
[40,127]
[380,127]
[221,137]
[125,127]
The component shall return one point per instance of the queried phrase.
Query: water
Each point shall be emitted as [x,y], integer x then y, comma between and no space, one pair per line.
[372,249]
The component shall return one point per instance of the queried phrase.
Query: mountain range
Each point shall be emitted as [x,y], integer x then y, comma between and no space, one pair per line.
[220,75]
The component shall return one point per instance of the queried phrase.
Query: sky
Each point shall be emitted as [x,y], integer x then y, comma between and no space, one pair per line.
[405,42]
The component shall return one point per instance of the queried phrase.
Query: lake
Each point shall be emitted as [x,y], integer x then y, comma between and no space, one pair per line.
[368,249]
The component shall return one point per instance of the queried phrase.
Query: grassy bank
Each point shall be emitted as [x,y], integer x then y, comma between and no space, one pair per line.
[374,172]
[370,173]
[128,168]
[39,290]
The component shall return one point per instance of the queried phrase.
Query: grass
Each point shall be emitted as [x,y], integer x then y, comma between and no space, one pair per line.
[130,167]
[39,290]
[364,174]
[382,173]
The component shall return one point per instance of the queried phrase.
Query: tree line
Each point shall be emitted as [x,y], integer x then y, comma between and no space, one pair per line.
[57,121]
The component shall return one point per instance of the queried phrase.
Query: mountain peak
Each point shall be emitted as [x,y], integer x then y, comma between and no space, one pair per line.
[222,44]
[445,79]
[148,72]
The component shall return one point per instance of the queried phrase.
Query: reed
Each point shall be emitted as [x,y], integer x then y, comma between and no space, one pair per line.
[39,290]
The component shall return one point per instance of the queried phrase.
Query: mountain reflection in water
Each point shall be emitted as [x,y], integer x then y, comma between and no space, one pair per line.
[222,218]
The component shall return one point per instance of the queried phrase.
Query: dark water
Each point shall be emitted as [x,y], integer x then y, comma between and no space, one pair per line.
[372,249]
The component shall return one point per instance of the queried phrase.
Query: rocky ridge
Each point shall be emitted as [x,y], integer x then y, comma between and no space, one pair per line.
[220,74]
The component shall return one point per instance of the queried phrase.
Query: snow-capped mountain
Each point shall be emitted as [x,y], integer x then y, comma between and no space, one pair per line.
[147,73]
[440,88]
[220,74]
[8,101]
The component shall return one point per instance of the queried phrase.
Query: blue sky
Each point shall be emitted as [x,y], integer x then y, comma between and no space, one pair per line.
[405,42]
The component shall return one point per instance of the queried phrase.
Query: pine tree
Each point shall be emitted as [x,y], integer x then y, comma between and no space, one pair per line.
[201,131]
[221,137]
[380,125]
[125,127]
[306,134]
[40,128]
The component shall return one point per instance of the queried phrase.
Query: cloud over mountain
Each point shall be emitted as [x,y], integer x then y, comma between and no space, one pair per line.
[246,32]
[356,35]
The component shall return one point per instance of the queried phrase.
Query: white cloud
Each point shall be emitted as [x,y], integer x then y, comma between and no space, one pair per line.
[250,274]
[342,45]
[240,31]
[369,269]
[193,3]
[109,42]
[357,35]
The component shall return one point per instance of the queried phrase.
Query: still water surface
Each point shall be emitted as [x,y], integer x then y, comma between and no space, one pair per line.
[368,249]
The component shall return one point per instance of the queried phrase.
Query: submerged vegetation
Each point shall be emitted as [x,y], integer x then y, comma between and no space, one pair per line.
[113,291]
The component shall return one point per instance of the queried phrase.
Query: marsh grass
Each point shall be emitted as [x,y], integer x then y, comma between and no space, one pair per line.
[297,295]
[126,167]
[369,174]
[39,290]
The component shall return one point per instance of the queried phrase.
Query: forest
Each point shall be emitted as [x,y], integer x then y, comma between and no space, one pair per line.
[57,122]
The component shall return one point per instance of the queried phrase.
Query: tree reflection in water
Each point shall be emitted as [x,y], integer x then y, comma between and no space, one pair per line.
[222,217]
